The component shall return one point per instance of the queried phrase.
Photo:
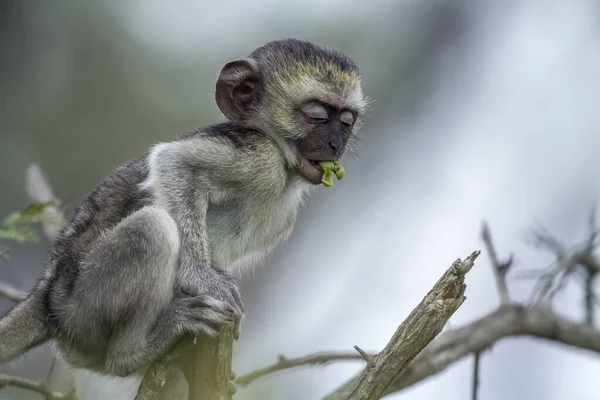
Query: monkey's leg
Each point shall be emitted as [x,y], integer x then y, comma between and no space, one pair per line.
[124,294]
[201,314]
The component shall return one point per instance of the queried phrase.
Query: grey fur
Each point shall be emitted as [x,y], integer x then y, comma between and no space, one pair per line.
[149,254]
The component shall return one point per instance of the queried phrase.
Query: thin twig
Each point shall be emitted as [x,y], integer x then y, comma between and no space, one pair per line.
[50,371]
[593,231]
[501,269]
[476,357]
[589,297]
[543,290]
[288,363]
[554,279]
[35,386]
[10,292]
[363,354]
[544,239]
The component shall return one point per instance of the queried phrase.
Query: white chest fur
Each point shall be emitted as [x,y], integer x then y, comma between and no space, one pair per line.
[243,231]
[235,207]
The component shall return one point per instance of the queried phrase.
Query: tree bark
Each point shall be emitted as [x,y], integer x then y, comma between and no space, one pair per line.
[206,366]
[423,324]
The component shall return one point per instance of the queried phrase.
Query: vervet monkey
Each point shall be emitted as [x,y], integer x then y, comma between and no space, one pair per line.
[148,254]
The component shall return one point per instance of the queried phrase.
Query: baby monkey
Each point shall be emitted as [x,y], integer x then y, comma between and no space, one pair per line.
[149,253]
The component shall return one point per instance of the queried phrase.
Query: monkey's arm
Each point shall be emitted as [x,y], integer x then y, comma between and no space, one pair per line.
[185,177]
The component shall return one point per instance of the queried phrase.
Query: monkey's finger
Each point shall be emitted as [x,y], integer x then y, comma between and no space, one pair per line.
[237,298]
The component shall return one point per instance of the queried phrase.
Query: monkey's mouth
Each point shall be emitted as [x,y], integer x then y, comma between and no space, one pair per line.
[320,171]
[310,170]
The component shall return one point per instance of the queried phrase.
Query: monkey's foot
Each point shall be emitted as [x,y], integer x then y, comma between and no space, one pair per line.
[330,167]
[202,314]
[219,285]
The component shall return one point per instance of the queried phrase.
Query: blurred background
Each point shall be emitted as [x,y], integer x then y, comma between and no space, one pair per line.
[482,110]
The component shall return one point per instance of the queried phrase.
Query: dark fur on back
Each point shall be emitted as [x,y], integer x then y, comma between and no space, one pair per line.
[241,137]
[112,200]
[116,197]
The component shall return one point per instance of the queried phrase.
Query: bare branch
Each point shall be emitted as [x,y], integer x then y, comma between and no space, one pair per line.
[475,391]
[554,279]
[10,292]
[153,382]
[35,386]
[50,371]
[589,297]
[500,268]
[422,325]
[543,239]
[205,364]
[563,267]
[451,346]
[287,363]
[507,321]
[593,231]
[364,354]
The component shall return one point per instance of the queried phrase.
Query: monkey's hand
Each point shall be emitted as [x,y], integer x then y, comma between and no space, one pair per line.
[221,286]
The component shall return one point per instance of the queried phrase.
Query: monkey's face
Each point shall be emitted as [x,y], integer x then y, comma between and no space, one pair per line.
[326,130]
[308,98]
[317,111]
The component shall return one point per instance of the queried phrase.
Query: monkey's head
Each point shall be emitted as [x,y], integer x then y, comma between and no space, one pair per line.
[307,97]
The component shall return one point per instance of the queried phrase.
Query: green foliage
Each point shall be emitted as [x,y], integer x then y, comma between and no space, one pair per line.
[328,168]
[17,226]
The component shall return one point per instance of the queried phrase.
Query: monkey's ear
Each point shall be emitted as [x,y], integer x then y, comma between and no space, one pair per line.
[238,87]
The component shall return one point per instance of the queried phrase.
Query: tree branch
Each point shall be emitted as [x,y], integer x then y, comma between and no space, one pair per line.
[589,297]
[419,329]
[475,390]
[155,379]
[288,363]
[35,386]
[500,269]
[10,292]
[507,321]
[555,277]
[205,364]
[451,346]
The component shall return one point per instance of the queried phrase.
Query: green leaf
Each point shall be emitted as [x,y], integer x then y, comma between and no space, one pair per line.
[16,226]
[36,212]
[19,234]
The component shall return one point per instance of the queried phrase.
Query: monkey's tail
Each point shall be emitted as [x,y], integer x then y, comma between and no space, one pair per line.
[23,328]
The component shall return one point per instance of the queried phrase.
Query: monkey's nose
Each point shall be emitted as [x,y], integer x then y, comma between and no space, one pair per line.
[333,146]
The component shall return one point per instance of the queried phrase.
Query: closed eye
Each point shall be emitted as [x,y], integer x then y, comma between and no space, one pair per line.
[347,118]
[316,112]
